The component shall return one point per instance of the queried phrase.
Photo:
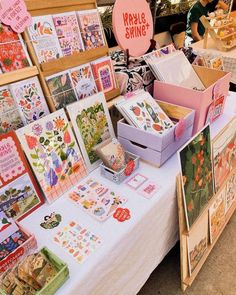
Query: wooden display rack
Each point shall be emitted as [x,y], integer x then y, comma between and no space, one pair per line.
[219,41]
[44,7]
[186,279]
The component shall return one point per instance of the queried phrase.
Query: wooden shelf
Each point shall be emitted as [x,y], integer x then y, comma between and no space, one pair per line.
[227,36]
[114,93]
[15,76]
[223,26]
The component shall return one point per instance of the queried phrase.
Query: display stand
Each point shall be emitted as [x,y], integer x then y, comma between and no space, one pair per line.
[44,7]
[186,279]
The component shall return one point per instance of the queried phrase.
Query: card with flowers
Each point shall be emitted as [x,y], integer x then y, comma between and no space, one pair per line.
[68,32]
[30,98]
[53,153]
[13,53]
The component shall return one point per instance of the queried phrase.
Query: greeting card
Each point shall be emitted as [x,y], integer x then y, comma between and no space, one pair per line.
[52,151]
[68,33]
[92,124]
[77,241]
[142,111]
[60,87]
[83,81]
[91,28]
[148,189]
[96,199]
[104,74]
[29,96]
[136,181]
[44,38]
[196,174]
[19,194]
[13,54]
[230,192]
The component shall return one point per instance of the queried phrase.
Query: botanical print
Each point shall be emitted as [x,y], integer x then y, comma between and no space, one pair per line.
[96,199]
[91,29]
[7,102]
[68,33]
[217,216]
[44,38]
[230,195]
[53,153]
[104,74]
[29,96]
[197,243]
[224,153]
[13,54]
[60,87]
[197,178]
[83,81]
[92,124]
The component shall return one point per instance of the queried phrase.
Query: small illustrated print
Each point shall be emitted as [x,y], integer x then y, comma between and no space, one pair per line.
[136,181]
[148,190]
[51,221]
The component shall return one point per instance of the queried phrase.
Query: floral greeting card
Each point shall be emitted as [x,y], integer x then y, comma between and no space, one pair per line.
[29,96]
[52,151]
[13,54]
[68,32]
[43,36]
[19,194]
[91,29]
[96,199]
[92,124]
[104,74]
[197,176]
[60,87]
[83,81]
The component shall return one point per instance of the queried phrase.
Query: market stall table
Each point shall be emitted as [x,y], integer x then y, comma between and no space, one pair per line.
[131,250]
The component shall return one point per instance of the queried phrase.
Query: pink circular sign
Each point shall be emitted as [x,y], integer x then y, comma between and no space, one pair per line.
[133,25]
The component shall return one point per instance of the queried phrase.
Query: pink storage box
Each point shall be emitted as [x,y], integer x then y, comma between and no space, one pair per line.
[156,148]
[216,83]
[19,253]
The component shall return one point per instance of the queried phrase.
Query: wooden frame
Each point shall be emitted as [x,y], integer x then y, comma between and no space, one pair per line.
[44,7]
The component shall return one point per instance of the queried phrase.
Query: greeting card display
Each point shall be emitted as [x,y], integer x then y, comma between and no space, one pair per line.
[44,38]
[53,153]
[104,74]
[29,96]
[230,192]
[83,81]
[143,112]
[224,153]
[196,172]
[96,199]
[92,124]
[13,54]
[60,87]
[91,29]
[19,194]
[68,33]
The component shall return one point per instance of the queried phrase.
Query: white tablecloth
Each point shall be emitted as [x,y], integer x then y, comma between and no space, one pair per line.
[131,250]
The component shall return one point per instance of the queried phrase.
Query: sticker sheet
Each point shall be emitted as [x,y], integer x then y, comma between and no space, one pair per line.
[68,33]
[53,153]
[43,36]
[61,90]
[92,124]
[83,81]
[96,199]
[29,96]
[18,190]
[77,241]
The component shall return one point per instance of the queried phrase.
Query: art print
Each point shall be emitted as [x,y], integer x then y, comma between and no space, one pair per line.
[224,153]
[217,216]
[77,241]
[216,63]
[51,221]
[29,96]
[83,81]
[136,181]
[7,227]
[96,199]
[19,194]
[91,29]
[61,89]
[43,36]
[68,33]
[196,174]
[200,61]
[52,151]
[230,193]
[197,243]
[148,189]
[92,124]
